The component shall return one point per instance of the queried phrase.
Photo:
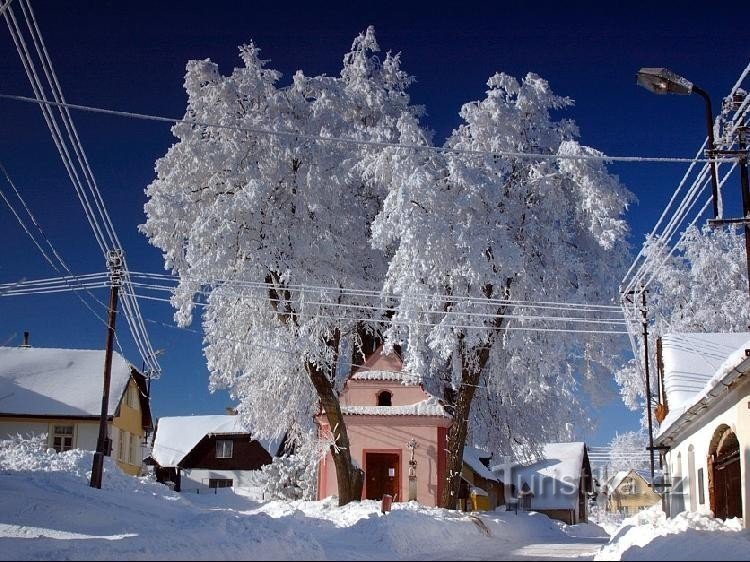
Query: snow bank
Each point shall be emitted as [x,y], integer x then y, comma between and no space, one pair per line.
[650,535]
[607,520]
[29,458]
[49,512]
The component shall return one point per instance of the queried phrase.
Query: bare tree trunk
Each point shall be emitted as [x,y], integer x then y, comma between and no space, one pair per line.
[471,372]
[459,428]
[349,478]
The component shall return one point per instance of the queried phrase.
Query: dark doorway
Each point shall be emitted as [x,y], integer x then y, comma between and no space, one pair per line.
[382,475]
[728,478]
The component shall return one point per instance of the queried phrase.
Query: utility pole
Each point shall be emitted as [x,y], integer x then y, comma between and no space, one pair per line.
[745,184]
[114,263]
[644,324]
[741,131]
[644,313]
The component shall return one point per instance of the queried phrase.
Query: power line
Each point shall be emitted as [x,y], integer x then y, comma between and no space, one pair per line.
[92,202]
[365,307]
[59,283]
[414,323]
[71,276]
[340,290]
[360,142]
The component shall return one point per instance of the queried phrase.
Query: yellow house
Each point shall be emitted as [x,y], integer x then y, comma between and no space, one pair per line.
[628,492]
[58,392]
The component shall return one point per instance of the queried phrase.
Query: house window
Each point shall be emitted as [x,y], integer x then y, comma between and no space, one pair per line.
[131,398]
[627,486]
[701,497]
[123,446]
[135,450]
[220,482]
[224,449]
[62,438]
[384,398]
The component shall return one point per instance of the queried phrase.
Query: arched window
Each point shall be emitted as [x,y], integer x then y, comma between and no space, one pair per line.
[384,398]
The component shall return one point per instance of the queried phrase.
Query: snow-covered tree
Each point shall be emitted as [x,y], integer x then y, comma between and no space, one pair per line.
[628,450]
[253,224]
[701,286]
[475,235]
[292,476]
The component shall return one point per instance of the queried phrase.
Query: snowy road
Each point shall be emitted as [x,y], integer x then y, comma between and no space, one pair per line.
[583,550]
[577,549]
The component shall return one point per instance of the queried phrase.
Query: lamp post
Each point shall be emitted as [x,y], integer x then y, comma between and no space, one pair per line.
[662,81]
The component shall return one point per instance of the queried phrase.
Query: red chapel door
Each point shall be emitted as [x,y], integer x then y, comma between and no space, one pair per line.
[382,475]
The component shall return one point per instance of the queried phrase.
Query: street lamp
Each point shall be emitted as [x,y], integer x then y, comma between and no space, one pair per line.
[663,81]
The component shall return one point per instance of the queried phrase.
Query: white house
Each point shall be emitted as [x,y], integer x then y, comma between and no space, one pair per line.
[704,410]
[556,485]
[58,392]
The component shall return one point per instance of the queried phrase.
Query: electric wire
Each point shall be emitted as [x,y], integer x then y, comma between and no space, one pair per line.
[361,142]
[102,228]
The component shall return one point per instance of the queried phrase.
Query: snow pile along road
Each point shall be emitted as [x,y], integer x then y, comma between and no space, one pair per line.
[650,535]
[49,512]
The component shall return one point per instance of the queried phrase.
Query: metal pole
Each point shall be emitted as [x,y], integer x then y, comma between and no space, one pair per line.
[648,384]
[745,183]
[114,261]
[711,147]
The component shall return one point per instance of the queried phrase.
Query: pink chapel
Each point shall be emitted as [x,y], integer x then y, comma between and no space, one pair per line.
[391,421]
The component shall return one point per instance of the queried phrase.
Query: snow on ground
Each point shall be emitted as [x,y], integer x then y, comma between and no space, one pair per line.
[606,520]
[650,535]
[48,511]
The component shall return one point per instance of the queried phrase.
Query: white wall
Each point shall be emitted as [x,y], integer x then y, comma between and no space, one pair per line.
[85,434]
[732,410]
[13,428]
[197,478]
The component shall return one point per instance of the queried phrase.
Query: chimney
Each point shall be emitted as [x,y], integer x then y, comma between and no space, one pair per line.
[25,340]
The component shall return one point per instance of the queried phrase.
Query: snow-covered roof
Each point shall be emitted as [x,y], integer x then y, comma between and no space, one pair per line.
[58,382]
[381,367]
[384,376]
[176,436]
[554,480]
[472,458]
[694,364]
[614,482]
[428,407]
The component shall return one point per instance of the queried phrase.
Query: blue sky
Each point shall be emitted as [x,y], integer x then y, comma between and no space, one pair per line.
[131,56]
